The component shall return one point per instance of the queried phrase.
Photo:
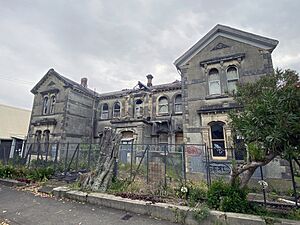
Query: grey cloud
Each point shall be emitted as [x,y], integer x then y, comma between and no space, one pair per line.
[116,43]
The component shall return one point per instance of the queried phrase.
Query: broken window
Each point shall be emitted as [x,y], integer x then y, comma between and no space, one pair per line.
[214,82]
[218,142]
[104,111]
[178,104]
[163,105]
[117,110]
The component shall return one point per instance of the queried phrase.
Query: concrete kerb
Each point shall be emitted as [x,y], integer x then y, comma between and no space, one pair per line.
[173,213]
[12,183]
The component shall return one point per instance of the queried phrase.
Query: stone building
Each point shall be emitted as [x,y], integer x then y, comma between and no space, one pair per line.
[191,111]
[65,111]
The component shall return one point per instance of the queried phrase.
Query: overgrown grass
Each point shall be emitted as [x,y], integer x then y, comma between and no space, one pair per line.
[25,174]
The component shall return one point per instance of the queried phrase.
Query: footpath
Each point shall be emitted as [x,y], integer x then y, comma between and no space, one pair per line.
[75,207]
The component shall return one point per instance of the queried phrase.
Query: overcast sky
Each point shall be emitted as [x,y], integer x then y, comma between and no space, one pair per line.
[116,43]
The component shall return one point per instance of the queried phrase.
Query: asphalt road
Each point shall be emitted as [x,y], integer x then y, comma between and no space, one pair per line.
[21,207]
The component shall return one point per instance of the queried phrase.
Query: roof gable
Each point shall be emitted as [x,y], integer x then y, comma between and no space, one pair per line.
[228,32]
[67,82]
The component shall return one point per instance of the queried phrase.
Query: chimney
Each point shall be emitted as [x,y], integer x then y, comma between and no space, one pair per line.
[84,82]
[149,82]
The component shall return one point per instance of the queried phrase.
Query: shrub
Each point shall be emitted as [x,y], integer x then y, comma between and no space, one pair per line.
[197,192]
[228,198]
[39,174]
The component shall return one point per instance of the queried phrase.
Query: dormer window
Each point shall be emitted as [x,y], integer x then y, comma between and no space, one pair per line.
[116,110]
[163,105]
[104,111]
[232,78]
[214,82]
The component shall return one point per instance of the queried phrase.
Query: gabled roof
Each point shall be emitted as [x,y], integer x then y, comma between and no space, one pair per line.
[229,32]
[65,80]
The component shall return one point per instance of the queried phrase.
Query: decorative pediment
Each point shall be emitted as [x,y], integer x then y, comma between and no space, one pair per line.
[51,84]
[220,46]
[258,41]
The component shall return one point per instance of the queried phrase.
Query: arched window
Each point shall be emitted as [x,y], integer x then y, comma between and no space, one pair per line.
[163,105]
[232,78]
[45,105]
[38,136]
[52,104]
[104,111]
[116,110]
[214,82]
[217,140]
[138,108]
[178,104]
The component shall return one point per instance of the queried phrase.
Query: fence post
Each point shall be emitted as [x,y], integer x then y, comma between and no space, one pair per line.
[207,165]
[165,156]
[294,182]
[77,158]
[56,155]
[4,155]
[66,158]
[89,157]
[264,191]
[47,151]
[183,163]
[147,173]
[131,159]
[29,152]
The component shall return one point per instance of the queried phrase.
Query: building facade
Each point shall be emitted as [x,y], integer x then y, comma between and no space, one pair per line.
[190,111]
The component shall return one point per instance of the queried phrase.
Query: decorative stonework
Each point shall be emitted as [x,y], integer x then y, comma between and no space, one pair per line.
[220,46]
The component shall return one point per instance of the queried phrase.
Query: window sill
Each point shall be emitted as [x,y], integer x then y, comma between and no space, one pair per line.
[216,96]
[163,114]
[177,113]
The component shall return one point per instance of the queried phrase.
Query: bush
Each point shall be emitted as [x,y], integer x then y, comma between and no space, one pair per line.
[228,198]
[39,174]
[36,174]
[197,193]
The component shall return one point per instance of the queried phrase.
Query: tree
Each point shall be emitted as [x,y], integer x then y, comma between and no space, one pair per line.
[269,121]
[100,178]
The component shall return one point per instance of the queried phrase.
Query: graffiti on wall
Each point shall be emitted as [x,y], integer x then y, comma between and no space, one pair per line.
[220,168]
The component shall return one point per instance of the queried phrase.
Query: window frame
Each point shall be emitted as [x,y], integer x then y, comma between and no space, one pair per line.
[177,104]
[52,104]
[159,105]
[212,140]
[232,80]
[104,112]
[45,109]
[138,108]
[116,112]
[211,81]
